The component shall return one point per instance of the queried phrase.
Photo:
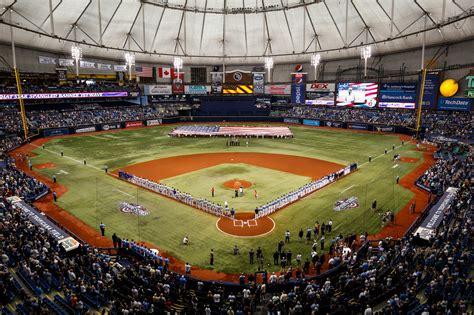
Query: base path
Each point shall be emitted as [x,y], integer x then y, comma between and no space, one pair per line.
[237,183]
[44,165]
[157,170]
[244,225]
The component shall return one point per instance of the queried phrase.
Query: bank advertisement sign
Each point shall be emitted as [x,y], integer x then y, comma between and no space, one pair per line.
[398,95]
[431,90]
[320,93]
[298,87]
[157,89]
[197,89]
[455,103]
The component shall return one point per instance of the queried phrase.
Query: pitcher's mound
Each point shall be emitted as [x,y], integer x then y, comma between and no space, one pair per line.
[236,183]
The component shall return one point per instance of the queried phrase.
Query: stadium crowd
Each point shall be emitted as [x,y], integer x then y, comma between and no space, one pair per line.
[70,87]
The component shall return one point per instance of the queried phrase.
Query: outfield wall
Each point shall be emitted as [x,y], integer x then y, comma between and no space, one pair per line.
[61,131]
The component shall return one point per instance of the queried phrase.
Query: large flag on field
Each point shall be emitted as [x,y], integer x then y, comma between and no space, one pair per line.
[165,72]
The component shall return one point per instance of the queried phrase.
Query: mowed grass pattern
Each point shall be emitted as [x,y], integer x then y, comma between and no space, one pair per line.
[268,184]
[93,196]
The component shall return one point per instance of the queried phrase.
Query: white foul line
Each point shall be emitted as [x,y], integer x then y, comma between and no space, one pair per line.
[348,188]
[127,194]
[67,157]
[381,155]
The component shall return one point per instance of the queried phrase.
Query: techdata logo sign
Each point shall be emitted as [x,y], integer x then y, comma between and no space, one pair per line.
[298,88]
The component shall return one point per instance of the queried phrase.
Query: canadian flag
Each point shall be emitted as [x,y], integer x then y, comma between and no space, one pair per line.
[165,73]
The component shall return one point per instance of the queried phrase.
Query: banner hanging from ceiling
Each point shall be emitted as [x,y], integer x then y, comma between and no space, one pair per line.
[258,82]
[216,82]
[431,90]
[178,83]
[298,87]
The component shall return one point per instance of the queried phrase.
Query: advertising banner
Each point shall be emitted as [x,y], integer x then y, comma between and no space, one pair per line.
[217,79]
[237,89]
[357,94]
[47,60]
[431,90]
[62,74]
[238,77]
[320,93]
[87,64]
[455,104]
[197,89]
[40,96]
[436,214]
[40,220]
[385,128]
[178,83]
[278,89]
[113,126]
[333,124]
[298,87]
[357,126]
[130,124]
[66,62]
[104,66]
[398,95]
[120,68]
[258,82]
[154,122]
[311,122]
[291,120]
[157,89]
[55,132]
[85,129]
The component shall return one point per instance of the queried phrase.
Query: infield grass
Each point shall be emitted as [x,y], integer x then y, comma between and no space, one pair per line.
[93,196]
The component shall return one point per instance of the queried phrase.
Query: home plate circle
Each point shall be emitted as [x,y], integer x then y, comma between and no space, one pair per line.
[245,225]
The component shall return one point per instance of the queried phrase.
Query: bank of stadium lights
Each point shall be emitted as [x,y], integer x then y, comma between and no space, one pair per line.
[315,60]
[269,66]
[365,54]
[130,61]
[76,54]
[178,64]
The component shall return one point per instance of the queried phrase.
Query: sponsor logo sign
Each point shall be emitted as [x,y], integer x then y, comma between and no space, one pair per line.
[298,87]
[130,124]
[470,86]
[55,132]
[455,103]
[178,83]
[157,89]
[311,122]
[431,90]
[87,64]
[104,66]
[66,62]
[46,60]
[398,95]
[197,89]
[85,129]
[133,208]
[278,89]
[216,82]
[334,124]
[120,68]
[154,122]
[39,96]
[320,87]
[357,94]
[385,128]
[291,120]
[357,126]
[258,83]
[110,126]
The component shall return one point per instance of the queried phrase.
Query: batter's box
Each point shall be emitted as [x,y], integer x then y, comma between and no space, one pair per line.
[252,222]
[238,223]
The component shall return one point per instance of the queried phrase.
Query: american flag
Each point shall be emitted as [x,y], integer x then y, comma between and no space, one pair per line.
[144,72]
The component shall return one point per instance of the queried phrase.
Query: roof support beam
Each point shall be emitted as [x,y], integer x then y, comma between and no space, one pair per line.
[316,36]
[51,15]
[390,17]
[334,22]
[410,25]
[179,32]
[51,11]
[363,21]
[426,12]
[84,32]
[99,14]
[28,20]
[157,29]
[458,5]
[245,29]
[268,44]
[223,28]
[8,7]
[112,17]
[202,26]
[78,18]
[143,27]
[347,23]
[288,26]
[133,24]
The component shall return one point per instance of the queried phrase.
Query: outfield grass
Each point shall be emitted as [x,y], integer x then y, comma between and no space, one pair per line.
[268,183]
[93,196]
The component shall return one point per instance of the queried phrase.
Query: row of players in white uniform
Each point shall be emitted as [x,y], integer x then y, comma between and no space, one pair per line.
[182,197]
[293,196]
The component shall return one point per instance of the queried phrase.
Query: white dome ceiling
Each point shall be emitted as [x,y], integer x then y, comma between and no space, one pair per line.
[241,31]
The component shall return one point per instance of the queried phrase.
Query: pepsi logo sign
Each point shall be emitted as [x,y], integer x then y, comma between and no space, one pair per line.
[298,68]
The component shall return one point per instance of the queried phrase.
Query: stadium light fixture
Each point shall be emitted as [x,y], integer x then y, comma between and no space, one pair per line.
[269,66]
[365,54]
[315,60]
[178,64]
[130,61]
[76,54]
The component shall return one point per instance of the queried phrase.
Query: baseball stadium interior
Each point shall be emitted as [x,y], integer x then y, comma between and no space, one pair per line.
[236,157]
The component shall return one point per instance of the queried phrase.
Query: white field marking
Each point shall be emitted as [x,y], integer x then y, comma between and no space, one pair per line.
[251,222]
[238,223]
[395,166]
[373,159]
[63,172]
[122,192]
[348,188]
[67,157]
[255,236]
